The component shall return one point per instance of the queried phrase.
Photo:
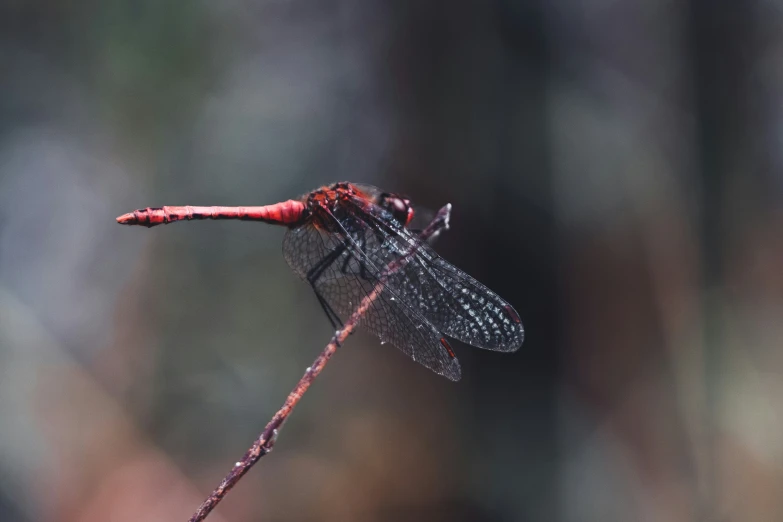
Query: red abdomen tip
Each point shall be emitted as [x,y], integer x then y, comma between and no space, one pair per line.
[127,219]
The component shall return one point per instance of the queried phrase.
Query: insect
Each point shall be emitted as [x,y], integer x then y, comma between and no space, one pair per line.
[342,239]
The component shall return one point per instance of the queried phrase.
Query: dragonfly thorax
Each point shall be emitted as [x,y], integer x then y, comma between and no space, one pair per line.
[328,197]
[334,197]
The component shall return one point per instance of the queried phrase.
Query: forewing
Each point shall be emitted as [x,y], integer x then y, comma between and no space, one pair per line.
[348,277]
[454,302]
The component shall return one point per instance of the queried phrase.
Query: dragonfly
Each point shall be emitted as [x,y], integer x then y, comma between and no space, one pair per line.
[342,239]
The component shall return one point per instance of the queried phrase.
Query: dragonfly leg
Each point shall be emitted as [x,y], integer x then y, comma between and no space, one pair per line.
[362,262]
[347,261]
[337,324]
[315,273]
[381,238]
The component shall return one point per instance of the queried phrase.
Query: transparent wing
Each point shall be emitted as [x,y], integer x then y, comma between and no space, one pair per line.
[336,264]
[451,300]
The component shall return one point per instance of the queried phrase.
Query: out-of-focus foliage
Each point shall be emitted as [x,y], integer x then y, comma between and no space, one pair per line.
[615,170]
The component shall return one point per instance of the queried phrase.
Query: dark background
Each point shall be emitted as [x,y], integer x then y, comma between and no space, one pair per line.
[615,171]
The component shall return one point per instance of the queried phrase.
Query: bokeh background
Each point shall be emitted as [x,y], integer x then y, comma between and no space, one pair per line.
[615,171]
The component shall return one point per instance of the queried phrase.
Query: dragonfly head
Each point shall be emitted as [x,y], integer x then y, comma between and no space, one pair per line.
[399,207]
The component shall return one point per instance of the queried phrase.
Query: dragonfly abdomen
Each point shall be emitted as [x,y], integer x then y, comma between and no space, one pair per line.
[285,213]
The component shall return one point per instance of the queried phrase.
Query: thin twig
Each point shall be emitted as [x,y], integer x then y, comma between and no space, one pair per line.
[264,443]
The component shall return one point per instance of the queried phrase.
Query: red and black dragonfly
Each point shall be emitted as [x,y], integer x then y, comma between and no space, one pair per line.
[342,238]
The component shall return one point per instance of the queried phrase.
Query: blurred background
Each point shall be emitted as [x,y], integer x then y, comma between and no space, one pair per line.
[615,171]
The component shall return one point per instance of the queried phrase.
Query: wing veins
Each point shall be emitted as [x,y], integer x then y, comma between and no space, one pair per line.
[427,260]
[378,274]
[430,266]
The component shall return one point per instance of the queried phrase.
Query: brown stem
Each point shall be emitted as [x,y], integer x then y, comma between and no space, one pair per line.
[264,443]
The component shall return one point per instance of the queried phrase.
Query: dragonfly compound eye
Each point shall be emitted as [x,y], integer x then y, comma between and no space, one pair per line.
[399,207]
